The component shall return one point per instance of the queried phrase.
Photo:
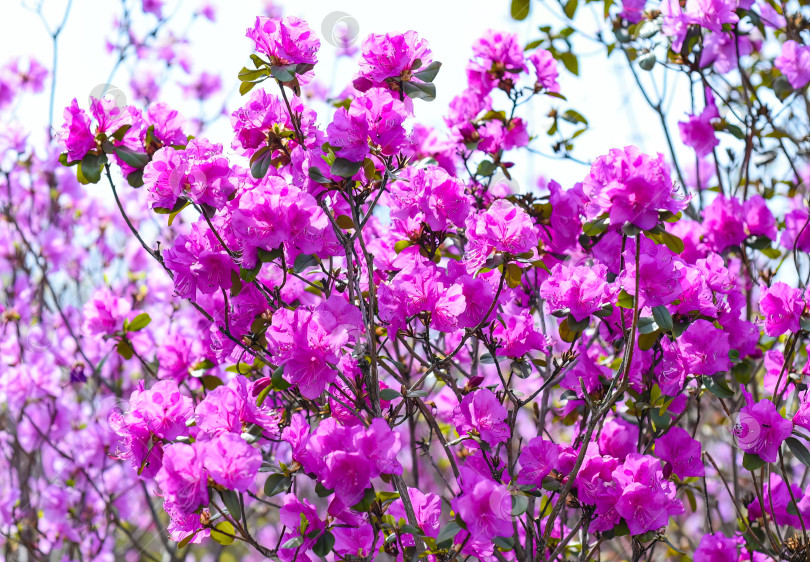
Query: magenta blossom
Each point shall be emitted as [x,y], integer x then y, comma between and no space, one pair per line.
[794,63]
[481,412]
[631,187]
[582,289]
[681,452]
[782,307]
[285,40]
[231,462]
[760,429]
[388,59]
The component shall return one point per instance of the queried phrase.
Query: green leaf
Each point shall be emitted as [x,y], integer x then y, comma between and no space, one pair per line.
[428,74]
[418,90]
[345,168]
[486,168]
[364,505]
[520,9]
[247,75]
[249,275]
[595,227]
[278,381]
[389,394]
[323,546]
[673,242]
[570,62]
[625,299]
[717,385]
[90,167]
[132,158]
[139,323]
[752,462]
[573,116]
[223,533]
[401,245]
[305,261]
[663,318]
[513,274]
[566,333]
[293,543]
[647,341]
[283,73]
[570,8]
[735,130]
[245,87]
[447,533]
[647,61]
[577,326]
[504,543]
[260,162]
[317,176]
[276,483]
[519,504]
[231,501]
[322,491]
[210,382]
[799,450]
[135,179]
[124,349]
[487,359]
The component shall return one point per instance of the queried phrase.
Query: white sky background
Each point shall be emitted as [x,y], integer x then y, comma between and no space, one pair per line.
[601,93]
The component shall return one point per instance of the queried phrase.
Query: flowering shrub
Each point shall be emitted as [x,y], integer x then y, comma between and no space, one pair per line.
[338,334]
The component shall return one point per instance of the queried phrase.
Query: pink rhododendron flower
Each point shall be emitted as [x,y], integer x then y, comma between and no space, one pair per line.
[387,59]
[782,307]
[581,289]
[481,412]
[631,187]
[697,131]
[285,40]
[682,453]
[231,462]
[794,63]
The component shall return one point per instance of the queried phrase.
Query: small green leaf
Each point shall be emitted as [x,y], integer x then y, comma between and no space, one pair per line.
[231,501]
[428,74]
[418,90]
[673,242]
[447,533]
[663,318]
[138,323]
[752,462]
[717,385]
[520,9]
[279,383]
[283,73]
[305,261]
[647,61]
[389,394]
[131,157]
[276,483]
[799,450]
[345,168]
[124,349]
[625,299]
[324,545]
[260,162]
[223,533]
[364,505]
[519,504]
[210,382]
[90,167]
